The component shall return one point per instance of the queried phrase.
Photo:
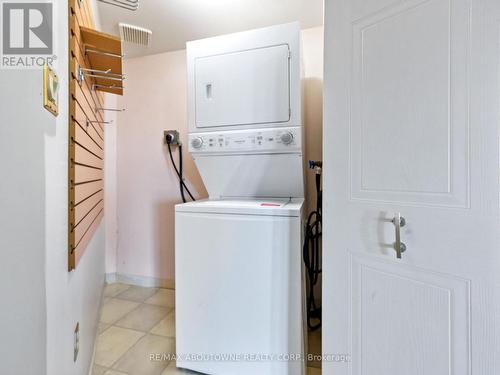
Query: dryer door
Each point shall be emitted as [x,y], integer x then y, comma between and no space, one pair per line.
[243,88]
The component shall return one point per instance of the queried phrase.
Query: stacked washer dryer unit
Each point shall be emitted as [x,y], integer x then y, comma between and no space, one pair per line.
[238,264]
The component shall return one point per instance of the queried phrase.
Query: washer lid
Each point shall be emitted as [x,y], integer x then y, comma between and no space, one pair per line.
[268,207]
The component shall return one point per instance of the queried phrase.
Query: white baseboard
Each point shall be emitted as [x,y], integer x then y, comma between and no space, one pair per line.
[144,281]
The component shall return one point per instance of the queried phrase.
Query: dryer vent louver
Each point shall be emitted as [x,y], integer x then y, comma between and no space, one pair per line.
[135,34]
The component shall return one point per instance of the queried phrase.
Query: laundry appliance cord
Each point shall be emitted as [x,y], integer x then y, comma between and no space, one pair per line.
[180,173]
[312,252]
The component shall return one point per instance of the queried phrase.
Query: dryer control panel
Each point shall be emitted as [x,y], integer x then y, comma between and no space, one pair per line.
[252,141]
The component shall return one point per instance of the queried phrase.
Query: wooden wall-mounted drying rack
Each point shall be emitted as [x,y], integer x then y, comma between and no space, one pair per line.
[104,54]
[95,64]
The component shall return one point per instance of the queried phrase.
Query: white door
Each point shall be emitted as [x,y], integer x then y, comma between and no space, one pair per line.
[411,127]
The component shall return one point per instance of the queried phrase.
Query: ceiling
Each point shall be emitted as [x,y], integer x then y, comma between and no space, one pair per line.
[174,22]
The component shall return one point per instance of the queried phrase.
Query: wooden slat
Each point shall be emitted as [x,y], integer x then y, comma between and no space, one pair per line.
[82,156]
[108,43]
[81,12]
[105,62]
[74,9]
[78,59]
[92,97]
[84,37]
[115,91]
[88,11]
[75,28]
[87,205]
[77,51]
[93,129]
[85,140]
[71,180]
[83,191]
[85,112]
[86,174]
[102,81]
[87,221]
[79,250]
[76,21]
[86,85]
[85,16]
[102,41]
[100,95]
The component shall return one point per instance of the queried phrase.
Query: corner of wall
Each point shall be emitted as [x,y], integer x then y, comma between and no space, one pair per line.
[71,297]
[110,179]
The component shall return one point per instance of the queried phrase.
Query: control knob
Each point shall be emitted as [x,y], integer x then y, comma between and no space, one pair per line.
[197,142]
[286,138]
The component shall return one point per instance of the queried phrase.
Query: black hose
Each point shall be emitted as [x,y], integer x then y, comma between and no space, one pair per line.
[181,177]
[182,184]
[312,257]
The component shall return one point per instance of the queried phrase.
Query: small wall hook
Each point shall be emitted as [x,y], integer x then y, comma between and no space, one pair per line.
[110,109]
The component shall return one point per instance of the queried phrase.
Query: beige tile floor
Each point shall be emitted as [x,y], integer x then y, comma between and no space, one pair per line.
[134,323]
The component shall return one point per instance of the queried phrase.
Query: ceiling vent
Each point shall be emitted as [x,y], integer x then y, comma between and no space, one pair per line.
[135,34]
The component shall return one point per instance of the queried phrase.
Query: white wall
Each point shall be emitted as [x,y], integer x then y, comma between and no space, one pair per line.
[147,188]
[312,48]
[71,297]
[110,180]
[41,301]
[312,60]
[22,223]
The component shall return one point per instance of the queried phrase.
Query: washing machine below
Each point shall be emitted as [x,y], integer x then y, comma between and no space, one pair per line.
[239,287]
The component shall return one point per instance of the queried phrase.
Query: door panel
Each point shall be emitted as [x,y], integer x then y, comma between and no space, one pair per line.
[405,319]
[411,127]
[409,130]
[243,88]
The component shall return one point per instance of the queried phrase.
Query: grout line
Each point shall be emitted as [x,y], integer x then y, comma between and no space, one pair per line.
[132,347]
[170,310]
[119,358]
[124,316]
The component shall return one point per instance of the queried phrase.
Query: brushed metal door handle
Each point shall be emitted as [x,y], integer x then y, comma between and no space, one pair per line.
[399,222]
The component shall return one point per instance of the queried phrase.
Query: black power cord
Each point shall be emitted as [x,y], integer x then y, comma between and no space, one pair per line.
[179,171]
[181,175]
[312,251]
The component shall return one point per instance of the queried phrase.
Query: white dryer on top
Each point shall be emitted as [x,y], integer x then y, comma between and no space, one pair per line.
[248,82]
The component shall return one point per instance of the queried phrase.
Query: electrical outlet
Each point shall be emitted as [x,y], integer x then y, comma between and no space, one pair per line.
[76,342]
[171,137]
